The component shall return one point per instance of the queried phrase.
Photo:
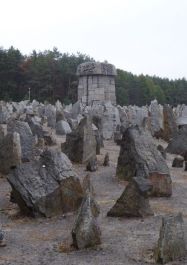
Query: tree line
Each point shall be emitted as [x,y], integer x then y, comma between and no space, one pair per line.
[51,75]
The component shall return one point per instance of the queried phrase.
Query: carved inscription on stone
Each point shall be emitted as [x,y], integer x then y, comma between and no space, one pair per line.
[94,68]
[86,68]
[107,69]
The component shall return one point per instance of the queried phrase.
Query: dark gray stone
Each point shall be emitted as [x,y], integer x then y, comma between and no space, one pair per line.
[169,121]
[49,139]
[178,162]
[36,127]
[46,187]
[80,145]
[98,139]
[2,238]
[92,165]
[178,144]
[98,122]
[139,157]
[117,137]
[185,166]
[162,150]
[60,115]
[171,243]
[134,200]
[106,162]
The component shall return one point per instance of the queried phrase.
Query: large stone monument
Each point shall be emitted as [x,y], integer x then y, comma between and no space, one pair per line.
[96,82]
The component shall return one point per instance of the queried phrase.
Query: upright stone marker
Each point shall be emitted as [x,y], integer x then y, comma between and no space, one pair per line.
[80,145]
[171,244]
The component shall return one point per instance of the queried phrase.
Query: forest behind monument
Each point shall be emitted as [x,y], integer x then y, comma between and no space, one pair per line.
[51,75]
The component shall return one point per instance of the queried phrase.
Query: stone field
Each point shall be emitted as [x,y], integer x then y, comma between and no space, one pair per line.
[130,241]
[96,184]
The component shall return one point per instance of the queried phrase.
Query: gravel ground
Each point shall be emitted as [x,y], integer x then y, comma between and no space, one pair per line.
[126,241]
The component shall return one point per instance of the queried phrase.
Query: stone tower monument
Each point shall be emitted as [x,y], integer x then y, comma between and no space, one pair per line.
[96,82]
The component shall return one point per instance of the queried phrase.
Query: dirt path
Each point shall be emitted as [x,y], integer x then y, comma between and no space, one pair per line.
[125,241]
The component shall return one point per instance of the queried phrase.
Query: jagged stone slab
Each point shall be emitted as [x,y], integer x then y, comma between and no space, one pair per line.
[46,187]
[134,200]
[178,144]
[169,122]
[80,145]
[139,157]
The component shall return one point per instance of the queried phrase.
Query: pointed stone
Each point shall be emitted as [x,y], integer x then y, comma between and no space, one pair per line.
[106,162]
[170,125]
[134,200]
[139,157]
[86,232]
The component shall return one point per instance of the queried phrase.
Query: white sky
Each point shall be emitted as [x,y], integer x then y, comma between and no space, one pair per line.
[140,36]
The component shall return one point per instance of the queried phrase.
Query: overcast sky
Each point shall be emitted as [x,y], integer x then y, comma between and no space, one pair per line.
[140,36]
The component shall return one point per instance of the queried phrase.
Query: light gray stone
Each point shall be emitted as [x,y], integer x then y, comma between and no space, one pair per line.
[10,152]
[171,244]
[110,120]
[26,137]
[156,116]
[96,82]
[63,128]
[50,113]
